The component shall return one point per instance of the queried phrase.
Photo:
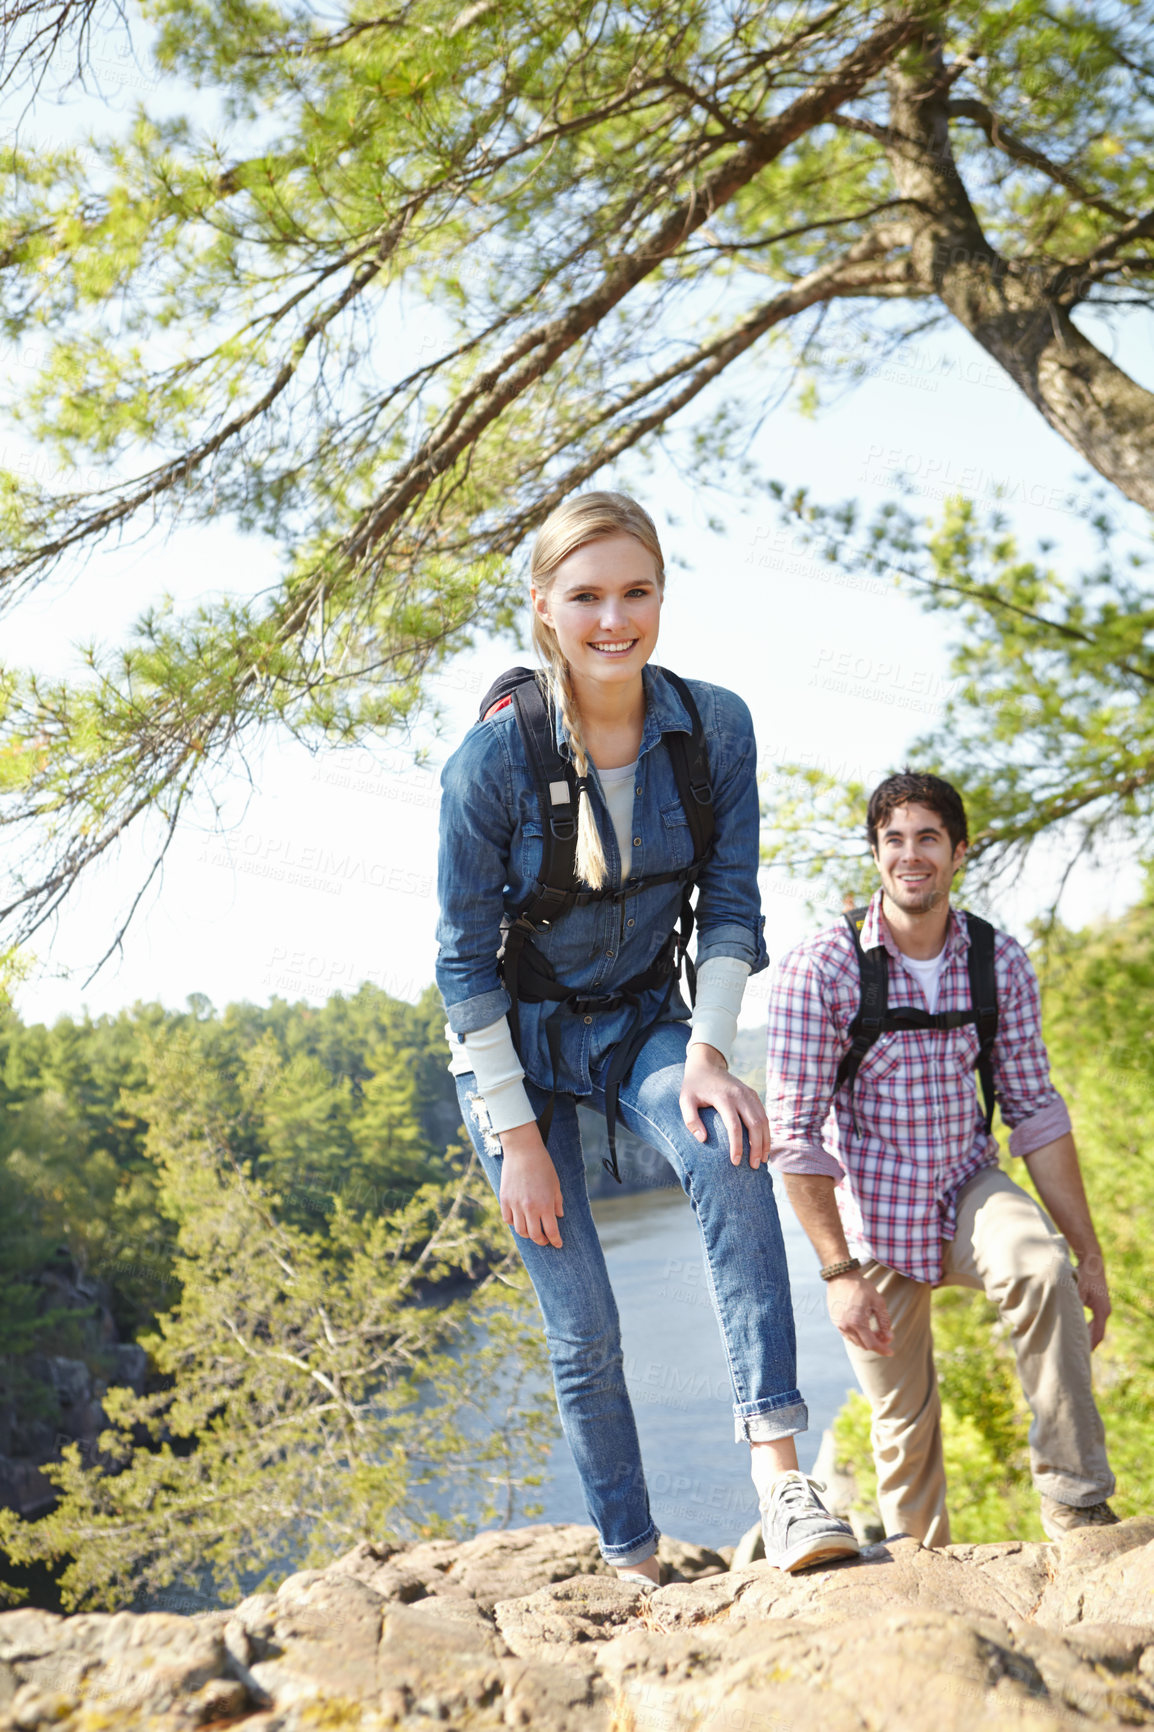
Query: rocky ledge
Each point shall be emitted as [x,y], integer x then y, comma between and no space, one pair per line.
[527,1629]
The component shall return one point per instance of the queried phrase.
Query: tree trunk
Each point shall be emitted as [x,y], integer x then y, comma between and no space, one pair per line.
[1011,309]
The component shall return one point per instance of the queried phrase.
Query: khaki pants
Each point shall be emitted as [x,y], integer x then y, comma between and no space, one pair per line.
[1006,1247]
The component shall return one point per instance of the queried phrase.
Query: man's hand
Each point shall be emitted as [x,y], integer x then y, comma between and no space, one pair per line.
[1055,1171]
[530,1189]
[859,1311]
[1094,1294]
[707,1083]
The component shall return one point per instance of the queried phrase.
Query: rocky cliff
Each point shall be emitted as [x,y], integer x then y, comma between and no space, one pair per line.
[527,1629]
[59,1399]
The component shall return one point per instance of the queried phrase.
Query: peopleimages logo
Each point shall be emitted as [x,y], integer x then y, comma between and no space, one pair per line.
[933,476]
[396,778]
[880,681]
[283,860]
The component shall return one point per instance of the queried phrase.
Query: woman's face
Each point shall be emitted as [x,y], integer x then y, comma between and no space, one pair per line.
[604,604]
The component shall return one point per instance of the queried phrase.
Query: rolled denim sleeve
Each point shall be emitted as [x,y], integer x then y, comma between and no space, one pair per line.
[1030,1105]
[802,1057]
[729,917]
[472,869]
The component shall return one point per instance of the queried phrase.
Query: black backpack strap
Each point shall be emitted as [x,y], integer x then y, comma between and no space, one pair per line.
[873,968]
[690,759]
[555,783]
[984,999]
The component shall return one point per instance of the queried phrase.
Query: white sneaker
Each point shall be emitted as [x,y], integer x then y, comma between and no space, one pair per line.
[797,1528]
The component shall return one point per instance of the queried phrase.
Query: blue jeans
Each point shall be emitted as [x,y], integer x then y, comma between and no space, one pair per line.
[745,1269]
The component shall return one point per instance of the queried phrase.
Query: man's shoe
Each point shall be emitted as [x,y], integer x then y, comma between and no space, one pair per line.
[1060,1519]
[797,1528]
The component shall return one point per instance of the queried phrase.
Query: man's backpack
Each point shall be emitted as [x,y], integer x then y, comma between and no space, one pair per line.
[875,1018]
[528,975]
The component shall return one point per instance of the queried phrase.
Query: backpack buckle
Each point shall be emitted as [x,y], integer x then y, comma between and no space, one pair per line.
[564,829]
[702,793]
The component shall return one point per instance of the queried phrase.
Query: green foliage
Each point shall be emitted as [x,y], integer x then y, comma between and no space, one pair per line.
[1048,728]
[346,1102]
[1096,988]
[365,1366]
[70,1151]
[851,1435]
[542,200]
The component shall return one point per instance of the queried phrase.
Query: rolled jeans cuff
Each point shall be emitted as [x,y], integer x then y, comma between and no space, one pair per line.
[484,1008]
[766,1421]
[636,1552]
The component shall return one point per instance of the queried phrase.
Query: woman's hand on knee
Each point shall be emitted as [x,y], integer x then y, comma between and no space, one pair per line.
[708,1083]
[530,1189]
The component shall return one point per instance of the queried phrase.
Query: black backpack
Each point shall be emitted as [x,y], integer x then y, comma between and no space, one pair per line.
[528,975]
[875,1018]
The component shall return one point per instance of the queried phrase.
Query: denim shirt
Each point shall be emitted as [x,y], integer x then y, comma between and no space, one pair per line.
[490,857]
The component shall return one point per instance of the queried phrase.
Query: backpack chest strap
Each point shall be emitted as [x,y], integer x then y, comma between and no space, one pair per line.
[874,1017]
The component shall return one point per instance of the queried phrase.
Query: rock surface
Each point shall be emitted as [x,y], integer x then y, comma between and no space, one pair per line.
[529,1629]
[66,1405]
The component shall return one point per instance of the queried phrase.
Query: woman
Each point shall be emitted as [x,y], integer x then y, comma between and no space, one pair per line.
[597,1015]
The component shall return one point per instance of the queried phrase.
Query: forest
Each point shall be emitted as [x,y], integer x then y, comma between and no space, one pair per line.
[279,1203]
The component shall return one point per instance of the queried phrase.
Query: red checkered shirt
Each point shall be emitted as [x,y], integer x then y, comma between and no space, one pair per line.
[920,1127]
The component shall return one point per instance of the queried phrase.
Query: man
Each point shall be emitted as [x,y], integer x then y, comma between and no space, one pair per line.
[895,1177]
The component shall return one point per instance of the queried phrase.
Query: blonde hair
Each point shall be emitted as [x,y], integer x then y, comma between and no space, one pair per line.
[584,518]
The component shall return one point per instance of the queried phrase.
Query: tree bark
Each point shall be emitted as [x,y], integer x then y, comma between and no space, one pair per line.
[1011,307]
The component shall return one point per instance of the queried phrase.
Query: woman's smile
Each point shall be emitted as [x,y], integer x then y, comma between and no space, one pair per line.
[604,605]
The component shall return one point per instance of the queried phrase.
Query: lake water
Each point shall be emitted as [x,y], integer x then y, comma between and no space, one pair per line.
[699,1484]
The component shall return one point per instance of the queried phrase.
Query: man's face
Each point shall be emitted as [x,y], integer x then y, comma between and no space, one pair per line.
[916,859]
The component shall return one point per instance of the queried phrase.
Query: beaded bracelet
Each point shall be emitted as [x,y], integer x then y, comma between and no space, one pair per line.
[842,1268]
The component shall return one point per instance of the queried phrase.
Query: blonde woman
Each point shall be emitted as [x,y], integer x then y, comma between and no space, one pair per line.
[584,1003]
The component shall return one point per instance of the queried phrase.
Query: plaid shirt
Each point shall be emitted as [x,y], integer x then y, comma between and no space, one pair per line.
[920,1127]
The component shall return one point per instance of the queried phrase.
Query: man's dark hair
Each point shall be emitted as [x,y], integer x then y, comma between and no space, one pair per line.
[912,788]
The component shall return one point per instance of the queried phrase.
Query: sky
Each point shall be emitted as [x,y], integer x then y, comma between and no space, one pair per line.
[319,870]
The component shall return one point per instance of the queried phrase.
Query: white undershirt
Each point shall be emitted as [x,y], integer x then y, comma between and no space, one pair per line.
[617,786]
[928,975]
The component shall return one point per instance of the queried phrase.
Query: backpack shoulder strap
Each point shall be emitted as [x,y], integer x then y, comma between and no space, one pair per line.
[873,967]
[690,759]
[555,784]
[984,1001]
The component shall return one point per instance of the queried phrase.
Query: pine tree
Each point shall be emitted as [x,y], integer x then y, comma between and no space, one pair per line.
[602,226]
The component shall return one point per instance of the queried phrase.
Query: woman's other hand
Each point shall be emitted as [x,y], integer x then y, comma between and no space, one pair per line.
[530,1189]
[708,1083]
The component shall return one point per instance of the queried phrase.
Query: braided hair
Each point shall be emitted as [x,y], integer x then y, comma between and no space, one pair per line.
[584,518]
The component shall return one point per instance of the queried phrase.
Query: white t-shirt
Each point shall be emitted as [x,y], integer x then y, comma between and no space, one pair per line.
[928,975]
[617,786]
